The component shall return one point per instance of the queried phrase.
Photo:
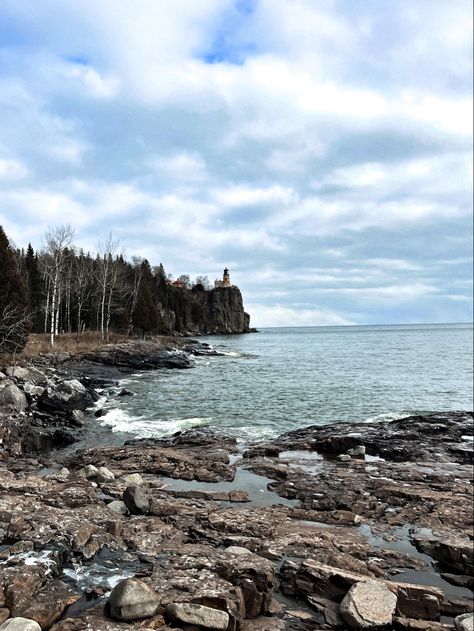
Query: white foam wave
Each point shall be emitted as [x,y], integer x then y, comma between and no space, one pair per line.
[386,417]
[144,427]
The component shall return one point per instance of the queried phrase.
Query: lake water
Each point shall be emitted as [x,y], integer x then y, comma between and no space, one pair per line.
[285,378]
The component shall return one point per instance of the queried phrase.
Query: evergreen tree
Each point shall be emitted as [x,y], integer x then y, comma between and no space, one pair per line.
[14,305]
[35,290]
[145,315]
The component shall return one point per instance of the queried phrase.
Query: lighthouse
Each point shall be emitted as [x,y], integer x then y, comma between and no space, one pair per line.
[225,282]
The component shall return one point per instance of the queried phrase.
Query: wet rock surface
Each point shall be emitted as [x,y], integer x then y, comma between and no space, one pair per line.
[281,536]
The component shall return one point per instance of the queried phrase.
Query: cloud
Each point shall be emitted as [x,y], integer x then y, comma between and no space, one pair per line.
[321,149]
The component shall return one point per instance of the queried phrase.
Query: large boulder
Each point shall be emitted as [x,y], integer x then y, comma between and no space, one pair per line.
[27,374]
[136,499]
[465,622]
[65,397]
[199,615]
[368,604]
[20,624]
[13,398]
[132,599]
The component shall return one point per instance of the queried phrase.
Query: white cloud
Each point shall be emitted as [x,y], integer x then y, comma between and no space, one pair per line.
[282,315]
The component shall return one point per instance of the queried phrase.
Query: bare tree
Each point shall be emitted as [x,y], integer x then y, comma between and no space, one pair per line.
[57,241]
[82,287]
[107,276]
[14,328]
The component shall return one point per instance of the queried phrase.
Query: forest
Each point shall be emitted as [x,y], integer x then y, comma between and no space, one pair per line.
[62,289]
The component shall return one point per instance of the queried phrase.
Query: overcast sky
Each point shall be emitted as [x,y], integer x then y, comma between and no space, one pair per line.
[321,149]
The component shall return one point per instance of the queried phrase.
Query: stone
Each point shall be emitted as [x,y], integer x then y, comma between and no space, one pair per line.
[78,417]
[17,371]
[368,604]
[20,624]
[344,458]
[132,479]
[104,475]
[27,374]
[464,622]
[64,397]
[32,390]
[237,550]
[13,398]
[90,471]
[199,615]
[132,599]
[118,507]
[136,499]
[358,451]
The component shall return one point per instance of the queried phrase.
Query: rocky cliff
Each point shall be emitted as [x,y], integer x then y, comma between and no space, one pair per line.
[198,311]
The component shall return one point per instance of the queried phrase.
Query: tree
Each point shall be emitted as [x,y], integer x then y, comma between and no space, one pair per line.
[14,305]
[185,280]
[204,281]
[35,289]
[108,268]
[57,242]
[145,315]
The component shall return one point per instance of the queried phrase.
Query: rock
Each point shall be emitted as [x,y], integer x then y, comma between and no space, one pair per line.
[32,390]
[2,375]
[132,479]
[104,475]
[118,507]
[136,499]
[13,398]
[368,604]
[78,417]
[237,550]
[132,599]
[199,615]
[20,624]
[27,374]
[125,392]
[64,397]
[90,471]
[344,458]
[463,623]
[358,451]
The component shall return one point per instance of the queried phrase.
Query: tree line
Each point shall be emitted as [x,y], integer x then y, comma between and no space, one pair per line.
[62,289]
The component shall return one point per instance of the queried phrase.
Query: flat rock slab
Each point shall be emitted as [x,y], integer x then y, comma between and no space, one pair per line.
[199,615]
[368,604]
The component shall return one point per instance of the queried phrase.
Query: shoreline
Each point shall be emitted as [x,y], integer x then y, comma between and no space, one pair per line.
[273,537]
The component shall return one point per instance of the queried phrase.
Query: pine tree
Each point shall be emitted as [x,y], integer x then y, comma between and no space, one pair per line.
[35,289]
[14,305]
[145,315]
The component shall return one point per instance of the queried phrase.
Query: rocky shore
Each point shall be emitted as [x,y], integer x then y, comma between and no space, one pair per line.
[343,526]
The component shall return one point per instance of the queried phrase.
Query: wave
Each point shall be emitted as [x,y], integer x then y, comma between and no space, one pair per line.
[144,427]
[386,417]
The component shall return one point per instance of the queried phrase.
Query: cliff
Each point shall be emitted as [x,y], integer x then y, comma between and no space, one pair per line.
[198,311]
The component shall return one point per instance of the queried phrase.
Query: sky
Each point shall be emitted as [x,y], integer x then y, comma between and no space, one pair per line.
[321,149]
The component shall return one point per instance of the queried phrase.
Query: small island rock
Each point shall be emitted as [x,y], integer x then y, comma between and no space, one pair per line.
[199,615]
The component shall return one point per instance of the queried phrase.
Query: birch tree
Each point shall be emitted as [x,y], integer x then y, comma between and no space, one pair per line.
[57,241]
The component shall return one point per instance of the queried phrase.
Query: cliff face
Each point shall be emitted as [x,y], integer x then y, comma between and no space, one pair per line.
[196,311]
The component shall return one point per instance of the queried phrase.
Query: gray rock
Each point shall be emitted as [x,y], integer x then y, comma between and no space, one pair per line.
[78,417]
[199,615]
[32,390]
[104,475]
[132,479]
[90,471]
[465,622]
[17,371]
[65,397]
[27,374]
[344,458]
[13,398]
[237,551]
[2,375]
[368,604]
[136,499]
[20,624]
[118,507]
[132,599]
[357,451]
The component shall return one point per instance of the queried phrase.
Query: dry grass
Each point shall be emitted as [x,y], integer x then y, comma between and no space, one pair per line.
[39,344]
